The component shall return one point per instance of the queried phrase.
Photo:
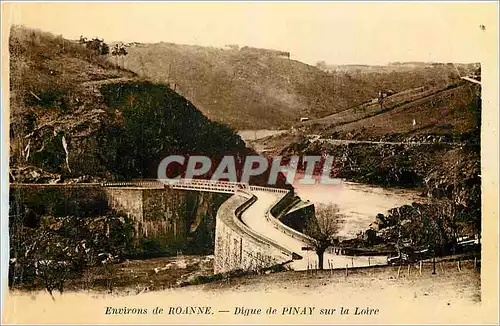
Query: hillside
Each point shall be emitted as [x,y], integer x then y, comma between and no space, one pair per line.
[398,67]
[255,88]
[426,138]
[75,115]
[452,110]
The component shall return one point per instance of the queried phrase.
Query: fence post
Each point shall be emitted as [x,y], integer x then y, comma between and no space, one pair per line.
[346,267]
[399,271]
[420,267]
[369,261]
[458,264]
[352,261]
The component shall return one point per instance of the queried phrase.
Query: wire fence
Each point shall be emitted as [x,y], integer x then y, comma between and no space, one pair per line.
[403,269]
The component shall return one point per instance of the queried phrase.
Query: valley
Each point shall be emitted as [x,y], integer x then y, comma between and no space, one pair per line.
[405,138]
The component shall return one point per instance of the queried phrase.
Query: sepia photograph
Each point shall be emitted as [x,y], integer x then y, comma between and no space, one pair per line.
[249,162]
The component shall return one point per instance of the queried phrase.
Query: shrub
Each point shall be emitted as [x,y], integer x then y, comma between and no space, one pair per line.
[60,249]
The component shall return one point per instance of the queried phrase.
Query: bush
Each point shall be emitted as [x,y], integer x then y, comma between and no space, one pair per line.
[60,249]
[96,45]
[434,226]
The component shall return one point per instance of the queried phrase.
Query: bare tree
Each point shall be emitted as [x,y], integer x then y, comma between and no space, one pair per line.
[323,229]
[381,96]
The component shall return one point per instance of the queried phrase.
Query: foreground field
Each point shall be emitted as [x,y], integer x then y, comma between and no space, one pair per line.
[449,296]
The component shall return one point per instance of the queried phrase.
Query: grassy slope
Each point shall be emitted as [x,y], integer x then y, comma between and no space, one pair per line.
[45,69]
[443,171]
[251,91]
[451,110]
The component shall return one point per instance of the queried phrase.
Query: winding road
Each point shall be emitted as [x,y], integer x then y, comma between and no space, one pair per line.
[258,218]
[255,218]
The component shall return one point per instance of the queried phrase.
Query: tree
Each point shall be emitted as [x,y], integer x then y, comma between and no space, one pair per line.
[96,45]
[104,49]
[381,99]
[58,249]
[322,65]
[119,51]
[433,227]
[323,228]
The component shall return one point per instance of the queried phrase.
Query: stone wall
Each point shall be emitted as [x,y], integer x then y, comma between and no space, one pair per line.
[238,247]
[127,200]
[166,213]
[298,216]
[163,212]
[295,211]
[156,212]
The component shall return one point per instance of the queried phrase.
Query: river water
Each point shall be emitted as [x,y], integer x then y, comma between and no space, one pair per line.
[359,203]
[250,135]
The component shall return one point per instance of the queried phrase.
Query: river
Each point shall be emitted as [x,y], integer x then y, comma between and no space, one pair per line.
[250,135]
[359,203]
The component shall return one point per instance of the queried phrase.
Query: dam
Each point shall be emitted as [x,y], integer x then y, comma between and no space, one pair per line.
[249,232]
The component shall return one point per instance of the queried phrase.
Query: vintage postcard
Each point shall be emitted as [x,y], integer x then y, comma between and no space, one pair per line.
[250,163]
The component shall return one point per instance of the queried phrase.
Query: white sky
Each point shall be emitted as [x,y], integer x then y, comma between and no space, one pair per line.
[339,33]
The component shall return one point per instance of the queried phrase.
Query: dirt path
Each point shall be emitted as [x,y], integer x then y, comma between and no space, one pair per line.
[101,82]
[415,143]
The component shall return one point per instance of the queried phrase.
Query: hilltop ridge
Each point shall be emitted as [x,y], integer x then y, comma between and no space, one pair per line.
[249,88]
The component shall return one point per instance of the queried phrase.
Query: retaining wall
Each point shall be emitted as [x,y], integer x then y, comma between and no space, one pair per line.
[160,212]
[298,216]
[273,217]
[237,246]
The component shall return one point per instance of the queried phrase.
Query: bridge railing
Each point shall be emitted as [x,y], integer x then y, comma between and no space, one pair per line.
[184,184]
[269,189]
[134,183]
[195,184]
[208,185]
[274,220]
[251,233]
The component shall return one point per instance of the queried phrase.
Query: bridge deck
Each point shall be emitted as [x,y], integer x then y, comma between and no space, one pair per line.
[255,218]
